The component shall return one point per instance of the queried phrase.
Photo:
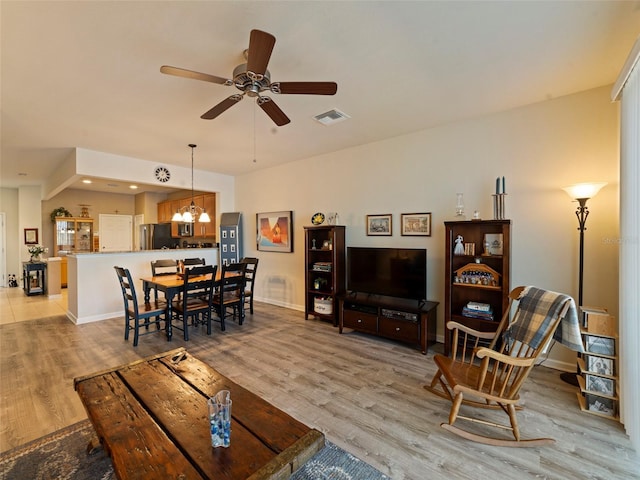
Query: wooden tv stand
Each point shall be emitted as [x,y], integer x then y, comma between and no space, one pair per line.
[407,321]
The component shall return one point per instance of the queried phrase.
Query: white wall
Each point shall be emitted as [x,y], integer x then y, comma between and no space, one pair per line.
[539,149]
[9,205]
[22,209]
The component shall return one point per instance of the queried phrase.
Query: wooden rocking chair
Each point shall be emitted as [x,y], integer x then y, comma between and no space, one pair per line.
[491,377]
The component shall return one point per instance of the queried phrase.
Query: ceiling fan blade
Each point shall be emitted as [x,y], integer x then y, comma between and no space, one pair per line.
[221,107]
[260,48]
[305,88]
[270,108]
[181,72]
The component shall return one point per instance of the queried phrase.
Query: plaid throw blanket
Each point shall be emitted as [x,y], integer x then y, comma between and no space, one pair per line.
[537,310]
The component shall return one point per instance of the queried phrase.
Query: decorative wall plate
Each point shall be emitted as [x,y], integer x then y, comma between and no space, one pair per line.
[318,218]
[162,174]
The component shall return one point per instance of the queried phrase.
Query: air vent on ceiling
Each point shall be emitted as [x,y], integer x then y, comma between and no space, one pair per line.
[331,117]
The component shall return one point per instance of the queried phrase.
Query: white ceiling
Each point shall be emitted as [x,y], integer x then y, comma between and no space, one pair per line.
[86,74]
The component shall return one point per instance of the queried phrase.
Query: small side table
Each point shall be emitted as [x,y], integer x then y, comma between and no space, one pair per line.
[34,278]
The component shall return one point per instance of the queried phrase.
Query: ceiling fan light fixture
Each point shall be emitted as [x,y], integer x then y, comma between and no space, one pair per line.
[331,117]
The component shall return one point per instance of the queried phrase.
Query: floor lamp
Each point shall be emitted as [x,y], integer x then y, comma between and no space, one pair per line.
[580,192]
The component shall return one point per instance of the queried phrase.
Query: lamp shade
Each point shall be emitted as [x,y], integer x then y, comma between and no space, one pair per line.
[584,190]
[204,217]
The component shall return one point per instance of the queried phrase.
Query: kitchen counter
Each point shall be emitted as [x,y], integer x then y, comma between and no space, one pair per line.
[93,290]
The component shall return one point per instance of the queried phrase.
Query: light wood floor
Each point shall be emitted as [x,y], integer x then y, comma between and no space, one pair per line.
[364,393]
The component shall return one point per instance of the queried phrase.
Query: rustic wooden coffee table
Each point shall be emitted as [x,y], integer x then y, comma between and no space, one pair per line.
[151,418]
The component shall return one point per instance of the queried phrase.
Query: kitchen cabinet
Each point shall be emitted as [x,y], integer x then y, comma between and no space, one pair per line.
[165,212]
[207,201]
[63,271]
[209,204]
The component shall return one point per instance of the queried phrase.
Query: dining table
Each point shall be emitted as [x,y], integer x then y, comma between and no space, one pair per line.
[171,285]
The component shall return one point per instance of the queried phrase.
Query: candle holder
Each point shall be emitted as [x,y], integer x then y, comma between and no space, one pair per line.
[460,207]
[499,206]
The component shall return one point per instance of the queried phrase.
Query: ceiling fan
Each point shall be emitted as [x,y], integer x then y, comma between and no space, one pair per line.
[253,78]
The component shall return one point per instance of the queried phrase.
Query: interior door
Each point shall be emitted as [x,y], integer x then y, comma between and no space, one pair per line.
[116,233]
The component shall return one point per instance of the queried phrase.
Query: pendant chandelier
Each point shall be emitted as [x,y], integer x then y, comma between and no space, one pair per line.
[193,212]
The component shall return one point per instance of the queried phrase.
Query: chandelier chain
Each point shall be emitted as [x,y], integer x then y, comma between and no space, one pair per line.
[192,212]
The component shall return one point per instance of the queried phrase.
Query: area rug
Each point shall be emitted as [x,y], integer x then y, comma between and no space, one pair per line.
[62,456]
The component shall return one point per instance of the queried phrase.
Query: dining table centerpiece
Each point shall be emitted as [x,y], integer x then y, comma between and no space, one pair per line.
[35,251]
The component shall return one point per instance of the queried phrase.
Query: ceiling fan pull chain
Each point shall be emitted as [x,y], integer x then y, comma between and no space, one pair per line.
[254,133]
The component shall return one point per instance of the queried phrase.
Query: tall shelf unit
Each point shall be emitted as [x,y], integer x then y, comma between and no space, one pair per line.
[71,235]
[325,273]
[479,271]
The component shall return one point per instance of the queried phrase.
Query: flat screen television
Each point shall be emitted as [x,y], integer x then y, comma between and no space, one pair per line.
[394,272]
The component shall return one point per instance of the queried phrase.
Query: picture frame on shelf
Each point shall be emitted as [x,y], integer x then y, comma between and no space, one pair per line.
[415,224]
[31,236]
[600,345]
[603,385]
[275,231]
[379,225]
[494,242]
[600,365]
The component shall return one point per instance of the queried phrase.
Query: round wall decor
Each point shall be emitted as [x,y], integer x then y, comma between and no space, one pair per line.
[162,174]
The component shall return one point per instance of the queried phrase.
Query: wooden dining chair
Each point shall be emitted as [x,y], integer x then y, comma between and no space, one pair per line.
[189,262]
[196,296]
[250,277]
[165,266]
[230,293]
[487,369]
[136,314]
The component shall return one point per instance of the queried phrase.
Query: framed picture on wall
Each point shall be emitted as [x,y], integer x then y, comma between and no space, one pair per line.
[275,231]
[30,236]
[415,224]
[379,224]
